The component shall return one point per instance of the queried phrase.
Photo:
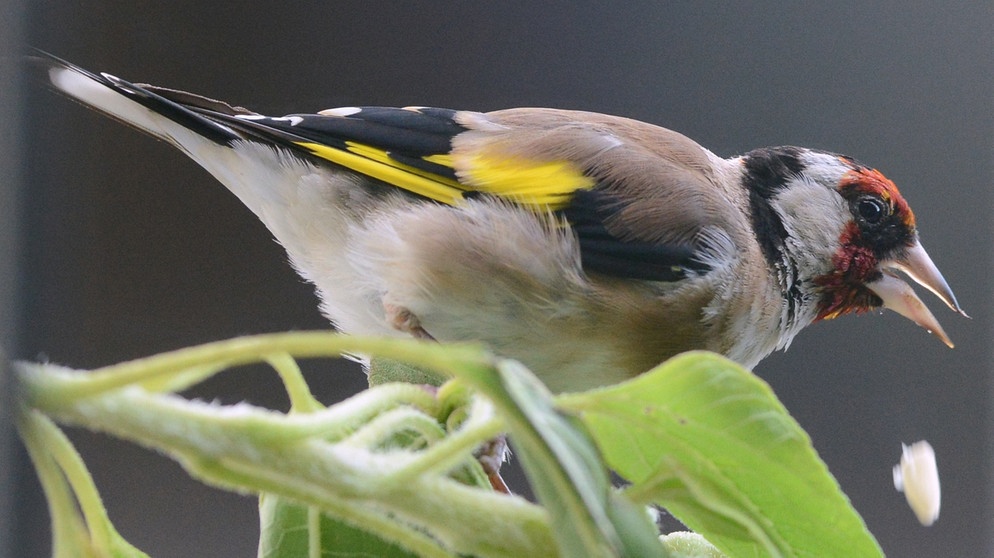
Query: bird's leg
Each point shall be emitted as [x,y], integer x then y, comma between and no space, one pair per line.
[402,319]
[492,454]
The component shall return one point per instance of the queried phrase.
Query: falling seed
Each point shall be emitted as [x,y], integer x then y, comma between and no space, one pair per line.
[918,477]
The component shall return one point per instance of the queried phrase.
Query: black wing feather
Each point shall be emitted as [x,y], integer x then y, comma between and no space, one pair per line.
[390,129]
[589,213]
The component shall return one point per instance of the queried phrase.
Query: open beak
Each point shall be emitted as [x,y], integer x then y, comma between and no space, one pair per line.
[901,298]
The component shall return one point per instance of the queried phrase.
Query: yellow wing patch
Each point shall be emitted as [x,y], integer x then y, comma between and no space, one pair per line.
[541,185]
[444,159]
[377,164]
[547,184]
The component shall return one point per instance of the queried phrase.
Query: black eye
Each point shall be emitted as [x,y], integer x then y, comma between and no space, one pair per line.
[871,210]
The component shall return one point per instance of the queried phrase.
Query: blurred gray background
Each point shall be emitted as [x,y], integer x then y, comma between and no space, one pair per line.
[117,246]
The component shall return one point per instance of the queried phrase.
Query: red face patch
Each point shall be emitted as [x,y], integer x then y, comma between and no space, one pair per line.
[882,222]
[853,265]
[866,181]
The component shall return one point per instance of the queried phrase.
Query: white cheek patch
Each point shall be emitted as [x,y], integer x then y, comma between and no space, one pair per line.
[812,213]
[918,477]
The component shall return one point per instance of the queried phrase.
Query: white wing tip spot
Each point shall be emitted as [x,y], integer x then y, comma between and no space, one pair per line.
[293,120]
[340,111]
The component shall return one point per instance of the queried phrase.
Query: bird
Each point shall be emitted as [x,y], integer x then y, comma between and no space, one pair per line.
[589,247]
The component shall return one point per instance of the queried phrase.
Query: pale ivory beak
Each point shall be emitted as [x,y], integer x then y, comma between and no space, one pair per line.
[901,298]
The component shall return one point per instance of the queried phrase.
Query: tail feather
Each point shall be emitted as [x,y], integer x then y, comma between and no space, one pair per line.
[138,106]
[207,131]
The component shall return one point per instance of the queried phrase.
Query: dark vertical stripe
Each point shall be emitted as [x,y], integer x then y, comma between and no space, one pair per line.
[767,172]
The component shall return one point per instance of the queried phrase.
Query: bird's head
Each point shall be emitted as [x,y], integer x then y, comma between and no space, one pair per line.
[845,231]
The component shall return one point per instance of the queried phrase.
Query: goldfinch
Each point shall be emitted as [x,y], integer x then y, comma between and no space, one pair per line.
[589,247]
